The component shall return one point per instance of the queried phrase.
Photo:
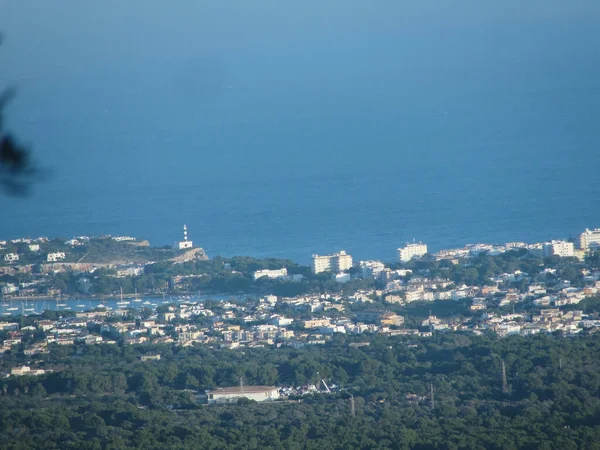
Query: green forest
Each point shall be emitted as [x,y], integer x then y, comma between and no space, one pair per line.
[106,397]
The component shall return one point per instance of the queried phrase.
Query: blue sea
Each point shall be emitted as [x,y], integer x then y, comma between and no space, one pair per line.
[277,129]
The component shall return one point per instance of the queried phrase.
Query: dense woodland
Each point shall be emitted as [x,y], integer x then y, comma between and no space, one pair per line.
[105,397]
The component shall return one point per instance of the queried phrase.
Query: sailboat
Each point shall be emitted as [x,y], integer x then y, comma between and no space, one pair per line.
[60,304]
[5,307]
[12,308]
[26,308]
[137,299]
[122,302]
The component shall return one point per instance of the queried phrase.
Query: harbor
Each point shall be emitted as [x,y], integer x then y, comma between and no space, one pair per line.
[18,306]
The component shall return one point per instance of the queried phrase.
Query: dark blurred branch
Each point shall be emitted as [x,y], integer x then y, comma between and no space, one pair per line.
[17,170]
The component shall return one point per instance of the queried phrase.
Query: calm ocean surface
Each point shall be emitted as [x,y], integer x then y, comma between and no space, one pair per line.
[280,130]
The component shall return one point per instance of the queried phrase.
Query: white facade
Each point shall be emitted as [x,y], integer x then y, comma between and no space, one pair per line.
[336,263]
[9,288]
[34,247]
[185,244]
[559,248]
[342,277]
[123,238]
[276,273]
[589,238]
[232,394]
[282,321]
[410,251]
[182,245]
[11,257]
[371,269]
[58,256]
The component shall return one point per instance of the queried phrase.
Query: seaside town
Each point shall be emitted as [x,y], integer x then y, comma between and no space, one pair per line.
[482,298]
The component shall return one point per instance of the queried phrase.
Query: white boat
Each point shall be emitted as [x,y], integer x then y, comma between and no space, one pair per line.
[136,299]
[100,306]
[14,308]
[147,303]
[122,302]
[81,306]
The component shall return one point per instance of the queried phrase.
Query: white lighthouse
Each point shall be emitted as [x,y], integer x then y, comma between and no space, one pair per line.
[185,244]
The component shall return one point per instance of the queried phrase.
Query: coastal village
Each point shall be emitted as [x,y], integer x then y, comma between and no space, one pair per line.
[511,303]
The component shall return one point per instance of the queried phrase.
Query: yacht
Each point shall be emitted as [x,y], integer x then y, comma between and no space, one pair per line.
[122,302]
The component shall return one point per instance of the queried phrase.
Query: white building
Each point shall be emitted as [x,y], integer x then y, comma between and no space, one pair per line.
[559,248]
[342,277]
[410,251]
[129,271]
[9,288]
[57,256]
[371,269]
[275,273]
[11,257]
[25,370]
[185,244]
[34,247]
[233,394]
[336,263]
[282,321]
[589,238]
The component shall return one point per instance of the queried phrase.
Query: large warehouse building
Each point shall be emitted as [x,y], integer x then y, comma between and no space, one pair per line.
[232,394]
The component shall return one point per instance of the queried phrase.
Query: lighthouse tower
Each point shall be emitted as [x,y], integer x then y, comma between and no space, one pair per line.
[185,244]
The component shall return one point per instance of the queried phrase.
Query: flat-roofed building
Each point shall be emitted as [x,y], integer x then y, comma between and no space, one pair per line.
[559,248]
[589,239]
[316,323]
[11,257]
[56,256]
[336,263]
[273,273]
[391,318]
[233,394]
[371,269]
[185,244]
[411,251]
[25,370]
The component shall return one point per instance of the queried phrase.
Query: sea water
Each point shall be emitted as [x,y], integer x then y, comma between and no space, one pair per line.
[287,130]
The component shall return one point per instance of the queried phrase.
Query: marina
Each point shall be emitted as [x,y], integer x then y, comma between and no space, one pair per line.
[32,307]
